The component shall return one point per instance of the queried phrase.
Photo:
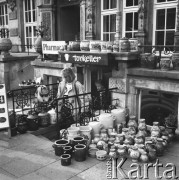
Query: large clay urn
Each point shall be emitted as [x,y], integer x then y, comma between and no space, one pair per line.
[5,46]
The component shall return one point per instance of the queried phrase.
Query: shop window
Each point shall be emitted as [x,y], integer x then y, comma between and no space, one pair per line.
[108,17]
[3,15]
[130,18]
[165,22]
[30,18]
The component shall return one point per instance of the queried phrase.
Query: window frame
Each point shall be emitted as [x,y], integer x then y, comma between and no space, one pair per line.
[107,12]
[31,24]
[160,6]
[6,22]
[130,9]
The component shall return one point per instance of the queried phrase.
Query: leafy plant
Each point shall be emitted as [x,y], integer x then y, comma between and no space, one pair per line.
[171,120]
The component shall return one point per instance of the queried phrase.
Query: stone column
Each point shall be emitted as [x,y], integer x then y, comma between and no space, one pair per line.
[118,21]
[175,56]
[141,22]
[82,19]
[90,20]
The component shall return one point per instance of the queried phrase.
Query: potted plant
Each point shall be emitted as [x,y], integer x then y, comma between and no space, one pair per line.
[171,121]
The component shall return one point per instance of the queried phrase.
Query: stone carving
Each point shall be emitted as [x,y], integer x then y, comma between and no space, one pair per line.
[11,4]
[119,83]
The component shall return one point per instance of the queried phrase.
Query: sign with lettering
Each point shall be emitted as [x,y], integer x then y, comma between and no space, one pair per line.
[52,47]
[84,57]
[4,117]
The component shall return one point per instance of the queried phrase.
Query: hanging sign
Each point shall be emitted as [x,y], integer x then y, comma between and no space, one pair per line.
[84,57]
[52,47]
[4,117]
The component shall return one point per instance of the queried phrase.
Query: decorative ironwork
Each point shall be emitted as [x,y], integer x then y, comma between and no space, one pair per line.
[4,32]
[11,4]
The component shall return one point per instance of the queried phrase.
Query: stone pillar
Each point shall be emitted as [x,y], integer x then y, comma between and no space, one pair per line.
[118,21]
[90,20]
[141,22]
[175,56]
[82,19]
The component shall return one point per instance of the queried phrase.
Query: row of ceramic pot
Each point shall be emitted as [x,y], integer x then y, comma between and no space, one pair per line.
[122,45]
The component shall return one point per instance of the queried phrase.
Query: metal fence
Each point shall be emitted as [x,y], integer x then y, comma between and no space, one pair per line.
[77,109]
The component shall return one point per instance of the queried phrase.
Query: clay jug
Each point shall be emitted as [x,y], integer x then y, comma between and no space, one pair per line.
[159,146]
[134,154]
[122,151]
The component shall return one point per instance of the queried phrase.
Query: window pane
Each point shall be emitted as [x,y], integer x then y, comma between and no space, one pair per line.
[33,4]
[170,37]
[34,16]
[26,17]
[25,5]
[34,31]
[160,23]
[106,37]
[128,35]
[7,20]
[136,2]
[129,19]
[161,1]
[112,36]
[129,3]
[105,4]
[113,4]
[105,23]
[135,21]
[30,31]
[171,0]
[171,14]
[29,17]
[27,34]
[160,38]
[113,23]
[29,5]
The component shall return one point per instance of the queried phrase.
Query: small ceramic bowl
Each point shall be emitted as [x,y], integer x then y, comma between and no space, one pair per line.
[101,155]
[92,152]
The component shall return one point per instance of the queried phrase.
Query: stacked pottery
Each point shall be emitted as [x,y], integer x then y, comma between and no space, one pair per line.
[59,145]
[155,130]
[132,122]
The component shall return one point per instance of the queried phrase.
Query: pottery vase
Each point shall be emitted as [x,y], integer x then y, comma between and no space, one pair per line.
[80,152]
[159,146]
[85,131]
[5,46]
[144,157]
[134,154]
[122,151]
[59,145]
[155,130]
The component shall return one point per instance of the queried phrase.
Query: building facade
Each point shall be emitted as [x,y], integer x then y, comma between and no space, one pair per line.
[152,22]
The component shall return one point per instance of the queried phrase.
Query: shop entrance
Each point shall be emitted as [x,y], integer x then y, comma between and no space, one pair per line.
[69,29]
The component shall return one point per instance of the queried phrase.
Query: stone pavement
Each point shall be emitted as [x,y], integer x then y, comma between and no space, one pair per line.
[28,157]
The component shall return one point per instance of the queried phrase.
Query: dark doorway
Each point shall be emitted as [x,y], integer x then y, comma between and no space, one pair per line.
[69,23]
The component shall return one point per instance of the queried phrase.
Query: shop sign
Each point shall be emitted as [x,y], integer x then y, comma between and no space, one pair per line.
[52,47]
[84,58]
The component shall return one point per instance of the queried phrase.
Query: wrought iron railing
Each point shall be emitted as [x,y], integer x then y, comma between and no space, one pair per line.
[25,48]
[67,110]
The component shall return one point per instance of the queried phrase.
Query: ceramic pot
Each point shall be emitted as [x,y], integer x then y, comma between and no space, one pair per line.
[68,150]
[142,124]
[119,128]
[85,131]
[109,46]
[152,154]
[96,128]
[132,122]
[44,119]
[129,140]
[148,60]
[74,45]
[159,146]
[144,157]
[78,140]
[165,62]
[96,138]
[155,130]
[103,46]
[84,45]
[95,45]
[104,135]
[53,116]
[139,139]
[134,154]
[73,132]
[107,120]
[142,133]
[122,151]
[59,145]
[80,152]
[119,114]
[120,137]
[5,45]
[133,44]
[112,153]
[124,45]
[65,159]
[92,145]
[22,127]
[32,122]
